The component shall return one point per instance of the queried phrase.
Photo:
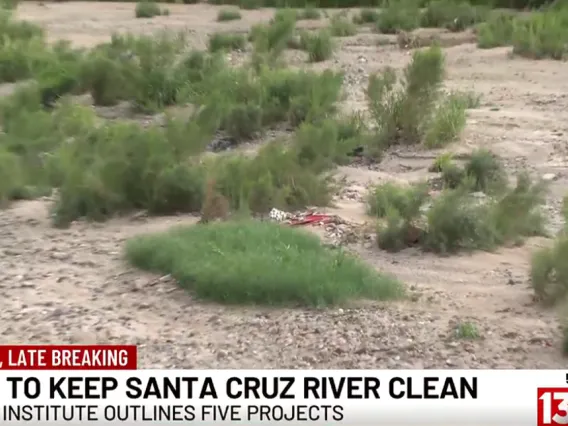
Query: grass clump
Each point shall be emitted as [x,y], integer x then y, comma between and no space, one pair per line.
[415,111]
[148,9]
[467,330]
[228,15]
[452,15]
[309,13]
[457,220]
[258,263]
[398,16]
[340,26]
[366,16]
[542,35]
[389,196]
[549,271]
[225,41]
[270,40]
[319,45]
[496,31]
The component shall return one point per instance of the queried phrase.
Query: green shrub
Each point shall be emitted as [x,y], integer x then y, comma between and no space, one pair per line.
[271,39]
[485,171]
[542,35]
[458,220]
[120,167]
[406,201]
[309,13]
[319,45]
[455,16]
[258,263]
[366,16]
[549,272]
[320,147]
[147,9]
[447,122]
[228,15]
[399,15]
[496,31]
[406,113]
[224,41]
[243,103]
[274,178]
[340,26]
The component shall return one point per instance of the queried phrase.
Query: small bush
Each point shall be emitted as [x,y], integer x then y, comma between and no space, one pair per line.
[542,35]
[250,4]
[319,45]
[228,15]
[259,263]
[406,114]
[147,9]
[340,26]
[224,41]
[399,16]
[447,123]
[485,171]
[272,39]
[496,31]
[309,13]
[459,221]
[366,16]
[404,200]
[455,16]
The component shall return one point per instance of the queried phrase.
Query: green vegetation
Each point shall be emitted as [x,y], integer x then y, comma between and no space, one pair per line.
[340,26]
[226,41]
[149,9]
[319,45]
[259,263]
[310,13]
[415,111]
[458,220]
[228,15]
[453,15]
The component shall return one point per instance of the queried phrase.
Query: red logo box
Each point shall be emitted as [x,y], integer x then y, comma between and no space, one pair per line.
[552,406]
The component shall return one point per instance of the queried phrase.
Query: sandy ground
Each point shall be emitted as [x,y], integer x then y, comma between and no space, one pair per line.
[72,286]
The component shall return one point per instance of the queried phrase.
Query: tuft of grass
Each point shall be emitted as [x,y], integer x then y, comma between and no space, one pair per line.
[318,45]
[447,123]
[309,13]
[340,26]
[542,35]
[452,15]
[404,200]
[496,31]
[485,171]
[366,16]
[413,110]
[226,41]
[467,330]
[147,9]
[228,15]
[399,16]
[260,263]
[270,40]
[549,271]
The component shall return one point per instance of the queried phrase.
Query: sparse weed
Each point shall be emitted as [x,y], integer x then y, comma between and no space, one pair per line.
[542,35]
[366,16]
[496,31]
[225,41]
[340,26]
[442,162]
[405,115]
[228,15]
[404,200]
[147,9]
[259,263]
[467,330]
[455,16]
[270,40]
[309,13]
[319,45]
[486,171]
[447,123]
[399,16]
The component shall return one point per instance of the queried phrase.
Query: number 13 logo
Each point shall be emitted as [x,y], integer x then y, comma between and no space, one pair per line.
[552,406]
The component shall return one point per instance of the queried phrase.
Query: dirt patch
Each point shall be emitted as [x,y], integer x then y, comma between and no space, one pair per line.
[73,286]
